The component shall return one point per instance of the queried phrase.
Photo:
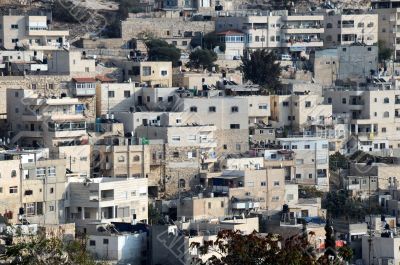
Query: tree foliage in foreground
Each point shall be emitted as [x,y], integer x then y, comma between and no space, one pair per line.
[203,58]
[263,69]
[233,248]
[160,50]
[44,251]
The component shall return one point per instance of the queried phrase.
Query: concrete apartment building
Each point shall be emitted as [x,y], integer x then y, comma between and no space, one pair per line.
[374,112]
[311,156]
[389,31]
[347,62]
[345,28]
[148,73]
[34,182]
[384,249]
[106,200]
[259,189]
[39,121]
[72,63]
[115,97]
[273,29]
[202,208]
[32,33]
[120,157]
[299,111]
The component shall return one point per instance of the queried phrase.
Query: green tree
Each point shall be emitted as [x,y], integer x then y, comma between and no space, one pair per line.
[160,50]
[47,251]
[307,192]
[262,69]
[202,58]
[233,248]
[337,160]
[346,253]
[384,53]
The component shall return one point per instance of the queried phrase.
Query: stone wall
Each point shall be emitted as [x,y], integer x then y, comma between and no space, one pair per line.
[229,141]
[165,27]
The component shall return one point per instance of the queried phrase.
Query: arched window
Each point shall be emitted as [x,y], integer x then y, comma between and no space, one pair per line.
[386,114]
[13,173]
[182,183]
[386,100]
[136,158]
[329,25]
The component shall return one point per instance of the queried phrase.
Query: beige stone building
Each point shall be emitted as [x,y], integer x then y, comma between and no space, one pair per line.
[72,63]
[299,111]
[200,208]
[347,28]
[35,182]
[36,121]
[32,33]
[374,114]
[148,73]
[389,32]
[271,29]
[106,200]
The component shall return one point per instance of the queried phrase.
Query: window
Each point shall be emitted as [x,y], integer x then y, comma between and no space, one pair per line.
[263,106]
[13,189]
[294,146]
[51,171]
[40,172]
[308,104]
[51,190]
[298,176]
[290,197]
[238,148]
[310,176]
[383,129]
[127,94]
[285,104]
[1,189]
[176,138]
[344,101]
[111,94]
[276,183]
[105,241]
[193,109]
[136,158]
[164,72]
[386,100]
[212,109]
[175,154]
[209,205]
[14,40]
[28,192]
[222,204]
[329,25]
[324,146]
[386,114]
[51,208]
[275,198]
[329,100]
[92,243]
[192,137]
[14,26]
[13,173]
[146,71]
[182,183]
[235,126]
[307,146]
[263,184]
[235,109]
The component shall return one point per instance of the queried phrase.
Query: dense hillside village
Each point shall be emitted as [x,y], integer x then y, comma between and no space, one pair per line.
[205,132]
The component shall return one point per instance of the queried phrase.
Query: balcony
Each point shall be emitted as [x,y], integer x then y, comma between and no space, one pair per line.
[302,43]
[245,205]
[208,143]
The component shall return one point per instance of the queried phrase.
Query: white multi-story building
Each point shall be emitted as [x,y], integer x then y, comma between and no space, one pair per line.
[32,33]
[348,28]
[275,29]
[106,200]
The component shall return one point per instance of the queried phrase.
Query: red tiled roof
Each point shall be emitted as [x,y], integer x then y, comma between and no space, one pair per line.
[231,32]
[103,78]
[84,80]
